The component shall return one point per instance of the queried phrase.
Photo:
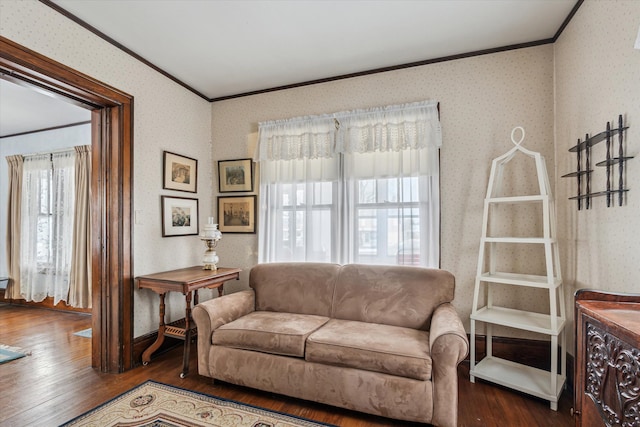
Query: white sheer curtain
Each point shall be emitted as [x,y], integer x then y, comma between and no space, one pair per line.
[47,225]
[359,186]
[296,189]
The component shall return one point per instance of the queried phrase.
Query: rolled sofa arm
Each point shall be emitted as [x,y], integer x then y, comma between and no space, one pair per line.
[449,346]
[211,314]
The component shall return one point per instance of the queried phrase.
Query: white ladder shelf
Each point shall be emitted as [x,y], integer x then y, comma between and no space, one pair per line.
[547,385]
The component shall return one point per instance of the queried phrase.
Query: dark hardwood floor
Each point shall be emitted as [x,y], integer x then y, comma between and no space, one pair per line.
[56,383]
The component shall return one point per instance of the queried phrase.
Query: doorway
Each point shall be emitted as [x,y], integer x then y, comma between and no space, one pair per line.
[111,199]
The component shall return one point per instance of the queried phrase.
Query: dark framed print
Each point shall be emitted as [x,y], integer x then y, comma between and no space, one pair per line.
[179,173]
[237,214]
[235,175]
[179,216]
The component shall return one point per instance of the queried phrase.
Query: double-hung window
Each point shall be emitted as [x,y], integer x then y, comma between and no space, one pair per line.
[351,187]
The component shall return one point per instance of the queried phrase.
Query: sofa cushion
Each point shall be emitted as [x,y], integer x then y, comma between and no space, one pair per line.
[388,349]
[269,332]
[391,295]
[294,287]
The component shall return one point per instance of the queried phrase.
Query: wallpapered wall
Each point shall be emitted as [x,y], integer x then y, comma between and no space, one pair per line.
[166,117]
[481,100]
[597,78]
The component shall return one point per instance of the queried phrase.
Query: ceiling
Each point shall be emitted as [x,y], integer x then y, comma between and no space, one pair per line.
[226,48]
[23,109]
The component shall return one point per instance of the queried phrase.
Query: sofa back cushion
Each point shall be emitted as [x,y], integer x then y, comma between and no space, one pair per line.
[391,295]
[305,288]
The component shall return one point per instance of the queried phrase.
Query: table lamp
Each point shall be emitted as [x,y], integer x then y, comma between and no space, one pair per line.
[210,236]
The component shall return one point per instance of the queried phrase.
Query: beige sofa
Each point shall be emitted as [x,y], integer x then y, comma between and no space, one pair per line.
[384,340]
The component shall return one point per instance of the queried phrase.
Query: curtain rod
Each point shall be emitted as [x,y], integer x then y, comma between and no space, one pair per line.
[51,152]
[336,116]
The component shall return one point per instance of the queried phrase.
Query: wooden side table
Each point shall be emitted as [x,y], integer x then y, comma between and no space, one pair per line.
[187,281]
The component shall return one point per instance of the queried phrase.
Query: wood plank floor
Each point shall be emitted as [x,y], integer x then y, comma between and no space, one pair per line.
[56,383]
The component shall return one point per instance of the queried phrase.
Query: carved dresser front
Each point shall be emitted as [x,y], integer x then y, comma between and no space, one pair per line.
[607,359]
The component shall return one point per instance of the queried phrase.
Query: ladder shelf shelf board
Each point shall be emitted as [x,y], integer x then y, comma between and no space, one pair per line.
[530,280]
[528,240]
[518,199]
[526,379]
[540,383]
[519,319]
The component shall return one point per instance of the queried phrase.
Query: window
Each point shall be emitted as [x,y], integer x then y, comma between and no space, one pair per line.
[388,221]
[377,204]
[306,212]
[44,242]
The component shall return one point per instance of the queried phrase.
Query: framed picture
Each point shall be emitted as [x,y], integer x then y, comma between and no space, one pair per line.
[235,175]
[237,214]
[179,173]
[179,216]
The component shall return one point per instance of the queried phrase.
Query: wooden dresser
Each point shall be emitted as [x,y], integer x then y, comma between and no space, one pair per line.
[607,377]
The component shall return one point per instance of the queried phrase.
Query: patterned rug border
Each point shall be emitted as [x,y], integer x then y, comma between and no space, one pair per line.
[193,393]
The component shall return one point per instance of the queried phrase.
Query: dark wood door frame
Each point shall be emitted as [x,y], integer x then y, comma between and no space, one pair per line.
[111,199]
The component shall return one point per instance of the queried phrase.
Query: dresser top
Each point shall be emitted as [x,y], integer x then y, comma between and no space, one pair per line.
[624,315]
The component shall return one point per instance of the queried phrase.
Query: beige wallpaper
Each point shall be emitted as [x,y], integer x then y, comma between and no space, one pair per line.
[166,117]
[481,100]
[597,78]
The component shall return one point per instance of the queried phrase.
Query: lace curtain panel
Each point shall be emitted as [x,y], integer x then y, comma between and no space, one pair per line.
[391,128]
[48,194]
[359,186]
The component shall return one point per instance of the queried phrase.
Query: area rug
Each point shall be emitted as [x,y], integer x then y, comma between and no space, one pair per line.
[153,404]
[84,333]
[8,353]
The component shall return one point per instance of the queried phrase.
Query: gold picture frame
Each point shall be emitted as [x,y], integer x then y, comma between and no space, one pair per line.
[235,176]
[180,173]
[237,214]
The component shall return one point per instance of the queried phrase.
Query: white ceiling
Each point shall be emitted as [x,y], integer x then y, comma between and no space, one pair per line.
[23,110]
[226,47]
[223,48]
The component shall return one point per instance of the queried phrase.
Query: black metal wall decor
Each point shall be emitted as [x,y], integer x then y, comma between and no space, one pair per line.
[584,173]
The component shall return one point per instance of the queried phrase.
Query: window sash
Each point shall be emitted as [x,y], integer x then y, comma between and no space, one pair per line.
[309,226]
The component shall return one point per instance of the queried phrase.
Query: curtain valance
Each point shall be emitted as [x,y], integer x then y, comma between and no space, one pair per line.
[391,128]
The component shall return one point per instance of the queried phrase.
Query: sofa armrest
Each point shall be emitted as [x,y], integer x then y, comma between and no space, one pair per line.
[211,314]
[449,346]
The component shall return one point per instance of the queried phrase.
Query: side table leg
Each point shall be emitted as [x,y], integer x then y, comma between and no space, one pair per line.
[146,356]
[187,337]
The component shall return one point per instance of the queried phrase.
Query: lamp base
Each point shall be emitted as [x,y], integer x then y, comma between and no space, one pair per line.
[210,259]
